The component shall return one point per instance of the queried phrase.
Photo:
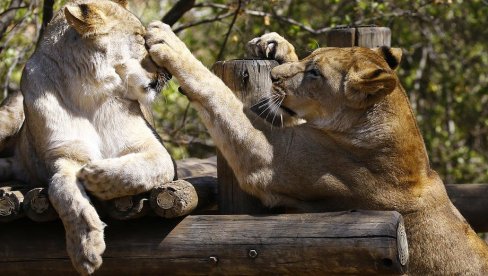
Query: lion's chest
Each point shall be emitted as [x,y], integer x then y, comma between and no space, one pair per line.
[105,132]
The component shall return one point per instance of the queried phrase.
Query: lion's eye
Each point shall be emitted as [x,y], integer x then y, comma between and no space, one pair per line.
[314,72]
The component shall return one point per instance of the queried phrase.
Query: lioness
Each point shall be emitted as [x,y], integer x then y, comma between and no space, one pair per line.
[84,128]
[359,148]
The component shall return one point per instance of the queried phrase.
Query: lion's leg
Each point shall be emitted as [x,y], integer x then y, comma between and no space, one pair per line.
[11,116]
[130,174]
[246,149]
[84,229]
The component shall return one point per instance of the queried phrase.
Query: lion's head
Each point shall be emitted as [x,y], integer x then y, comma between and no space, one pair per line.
[106,46]
[332,81]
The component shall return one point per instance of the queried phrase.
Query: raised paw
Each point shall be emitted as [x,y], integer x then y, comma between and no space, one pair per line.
[271,46]
[164,46]
[84,240]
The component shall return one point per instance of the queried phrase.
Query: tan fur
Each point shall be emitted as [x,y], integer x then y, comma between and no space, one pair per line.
[359,148]
[86,90]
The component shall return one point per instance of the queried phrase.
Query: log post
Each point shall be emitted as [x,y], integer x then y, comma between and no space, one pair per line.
[337,243]
[250,81]
[366,36]
[10,204]
[37,206]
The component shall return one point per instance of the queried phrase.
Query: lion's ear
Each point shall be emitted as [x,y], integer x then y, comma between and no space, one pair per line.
[368,83]
[86,19]
[392,56]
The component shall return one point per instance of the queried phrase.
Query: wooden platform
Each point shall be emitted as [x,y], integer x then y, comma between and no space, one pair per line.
[361,242]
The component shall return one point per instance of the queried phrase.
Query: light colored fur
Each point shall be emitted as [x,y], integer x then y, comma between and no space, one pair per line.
[86,90]
[360,147]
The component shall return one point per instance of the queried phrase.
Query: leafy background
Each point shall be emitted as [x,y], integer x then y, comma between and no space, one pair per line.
[444,67]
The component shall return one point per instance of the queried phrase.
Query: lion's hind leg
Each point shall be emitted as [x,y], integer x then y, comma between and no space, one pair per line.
[129,174]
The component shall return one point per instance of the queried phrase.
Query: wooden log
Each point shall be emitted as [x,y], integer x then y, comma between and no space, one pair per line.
[37,206]
[170,200]
[174,199]
[127,207]
[359,243]
[472,201]
[250,81]
[10,204]
[208,192]
[367,36]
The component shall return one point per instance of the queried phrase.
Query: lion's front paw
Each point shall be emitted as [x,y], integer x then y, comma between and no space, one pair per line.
[84,241]
[164,46]
[97,178]
[271,46]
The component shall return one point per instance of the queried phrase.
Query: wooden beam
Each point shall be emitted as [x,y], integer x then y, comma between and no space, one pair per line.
[361,242]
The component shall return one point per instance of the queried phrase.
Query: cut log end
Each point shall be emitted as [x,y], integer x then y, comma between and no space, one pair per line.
[38,207]
[10,204]
[402,244]
[127,207]
[174,199]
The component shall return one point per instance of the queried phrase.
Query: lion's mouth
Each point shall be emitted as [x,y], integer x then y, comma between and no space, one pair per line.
[280,93]
[287,110]
[157,84]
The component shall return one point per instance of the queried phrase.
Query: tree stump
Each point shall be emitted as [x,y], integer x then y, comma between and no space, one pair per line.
[250,81]
[366,36]
[38,207]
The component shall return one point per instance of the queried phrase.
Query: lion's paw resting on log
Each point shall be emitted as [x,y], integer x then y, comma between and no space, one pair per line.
[86,90]
[360,147]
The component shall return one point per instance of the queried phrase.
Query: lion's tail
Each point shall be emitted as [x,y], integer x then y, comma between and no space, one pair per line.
[11,117]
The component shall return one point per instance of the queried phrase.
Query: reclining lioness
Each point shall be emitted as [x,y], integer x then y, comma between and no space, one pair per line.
[359,148]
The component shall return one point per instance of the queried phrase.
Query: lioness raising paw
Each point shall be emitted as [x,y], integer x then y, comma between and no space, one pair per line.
[360,147]
[85,90]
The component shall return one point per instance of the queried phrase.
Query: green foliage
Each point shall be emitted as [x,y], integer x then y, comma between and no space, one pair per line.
[444,68]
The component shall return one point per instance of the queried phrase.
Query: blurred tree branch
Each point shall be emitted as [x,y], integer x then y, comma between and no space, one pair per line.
[288,20]
[177,11]
[204,21]
[8,16]
[224,44]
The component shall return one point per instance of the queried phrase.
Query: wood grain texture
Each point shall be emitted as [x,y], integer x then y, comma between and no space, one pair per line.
[251,82]
[369,37]
[361,243]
